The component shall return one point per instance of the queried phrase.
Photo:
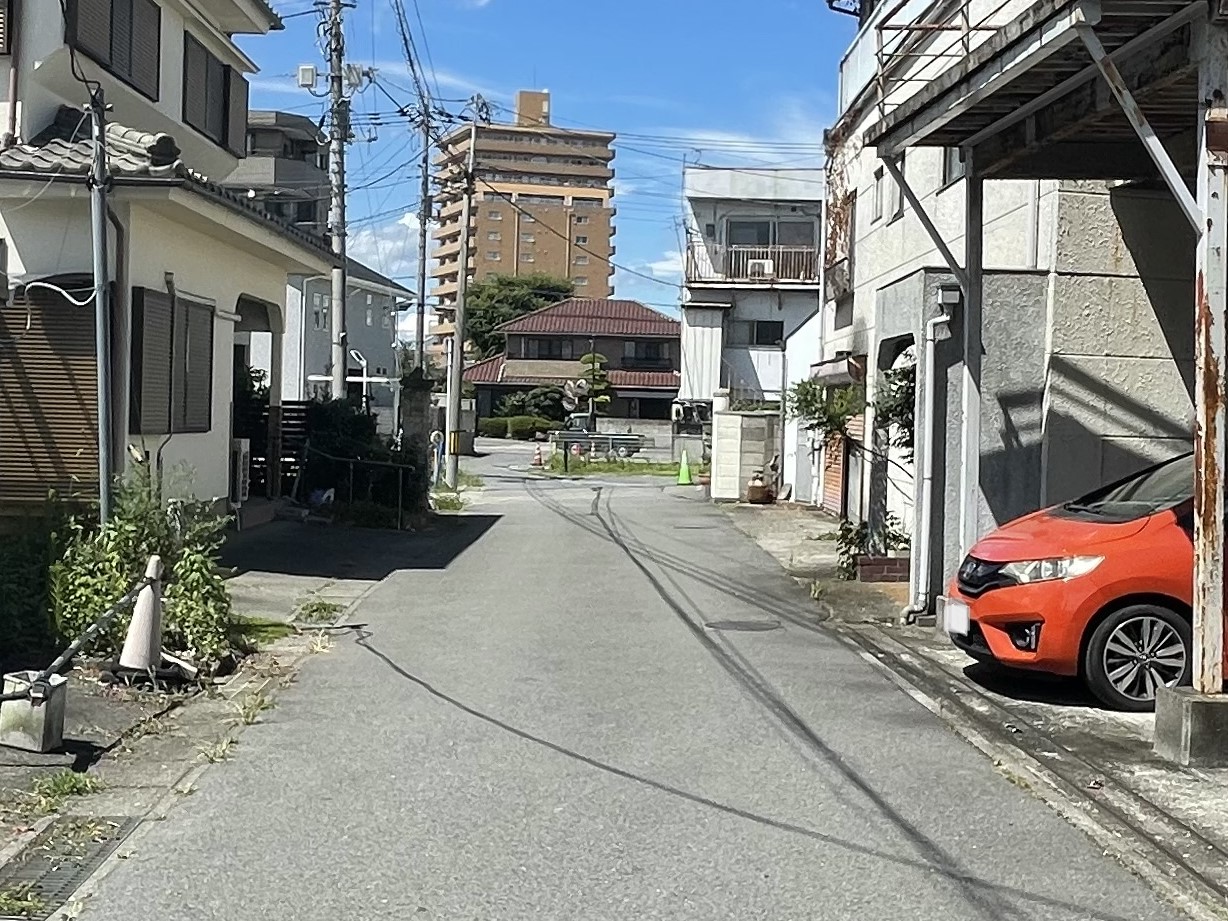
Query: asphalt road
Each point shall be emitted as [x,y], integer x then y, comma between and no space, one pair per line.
[607,704]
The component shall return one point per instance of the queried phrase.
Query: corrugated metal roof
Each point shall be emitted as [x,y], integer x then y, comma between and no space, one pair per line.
[595,316]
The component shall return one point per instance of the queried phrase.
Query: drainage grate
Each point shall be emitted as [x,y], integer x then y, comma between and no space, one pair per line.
[744,626]
[54,865]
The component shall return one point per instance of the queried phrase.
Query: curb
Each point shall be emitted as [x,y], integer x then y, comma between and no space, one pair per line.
[1108,816]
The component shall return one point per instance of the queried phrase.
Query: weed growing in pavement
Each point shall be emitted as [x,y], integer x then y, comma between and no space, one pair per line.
[252,706]
[466,480]
[51,791]
[320,642]
[316,610]
[218,751]
[21,901]
[447,501]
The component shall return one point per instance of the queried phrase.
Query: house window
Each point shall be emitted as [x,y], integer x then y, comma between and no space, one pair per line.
[581,240]
[214,97]
[125,37]
[370,298]
[548,349]
[172,364]
[579,281]
[952,165]
[643,351]
[494,235]
[527,238]
[878,194]
[315,299]
[305,212]
[581,260]
[370,317]
[581,218]
[750,233]
[767,332]
[494,256]
[495,215]
[526,257]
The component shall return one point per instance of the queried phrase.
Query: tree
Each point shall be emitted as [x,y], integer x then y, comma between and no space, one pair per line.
[598,381]
[543,402]
[494,301]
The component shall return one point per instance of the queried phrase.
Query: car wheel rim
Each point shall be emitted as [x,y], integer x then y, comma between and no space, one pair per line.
[1142,655]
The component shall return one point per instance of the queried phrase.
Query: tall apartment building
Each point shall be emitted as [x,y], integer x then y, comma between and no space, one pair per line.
[543,203]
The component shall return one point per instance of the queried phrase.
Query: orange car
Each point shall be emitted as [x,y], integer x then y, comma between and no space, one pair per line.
[1100,587]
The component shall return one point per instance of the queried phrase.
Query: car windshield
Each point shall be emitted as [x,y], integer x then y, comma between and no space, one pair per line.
[1160,487]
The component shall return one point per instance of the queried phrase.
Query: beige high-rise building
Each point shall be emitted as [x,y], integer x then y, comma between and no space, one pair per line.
[542,203]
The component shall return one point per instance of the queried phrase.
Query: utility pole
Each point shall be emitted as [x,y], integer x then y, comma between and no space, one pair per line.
[340,128]
[457,366]
[102,300]
[424,218]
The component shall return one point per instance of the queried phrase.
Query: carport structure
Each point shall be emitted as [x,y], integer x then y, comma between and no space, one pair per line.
[1109,90]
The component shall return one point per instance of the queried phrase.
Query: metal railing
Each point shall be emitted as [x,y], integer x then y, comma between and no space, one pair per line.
[752,263]
[913,49]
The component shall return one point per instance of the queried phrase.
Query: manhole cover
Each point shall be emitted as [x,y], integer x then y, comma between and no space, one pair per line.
[55,864]
[744,626]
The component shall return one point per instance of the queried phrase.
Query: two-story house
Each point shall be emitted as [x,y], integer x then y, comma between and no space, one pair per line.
[285,171]
[191,265]
[544,348]
[1076,367]
[751,320]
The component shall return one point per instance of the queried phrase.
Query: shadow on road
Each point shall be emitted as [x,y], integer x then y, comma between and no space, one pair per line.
[298,549]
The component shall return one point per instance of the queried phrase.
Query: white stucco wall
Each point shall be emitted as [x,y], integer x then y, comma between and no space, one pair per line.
[212,271]
[46,81]
[803,349]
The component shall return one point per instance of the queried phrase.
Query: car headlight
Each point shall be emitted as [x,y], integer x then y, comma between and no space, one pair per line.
[1026,571]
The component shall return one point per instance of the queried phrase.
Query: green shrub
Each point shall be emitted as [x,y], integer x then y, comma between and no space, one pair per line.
[495,427]
[525,428]
[99,564]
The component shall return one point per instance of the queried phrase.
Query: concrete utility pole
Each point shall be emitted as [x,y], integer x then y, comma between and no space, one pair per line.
[102,300]
[339,132]
[457,366]
[424,219]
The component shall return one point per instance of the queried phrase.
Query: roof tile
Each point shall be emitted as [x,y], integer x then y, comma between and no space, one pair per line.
[595,316]
[498,370]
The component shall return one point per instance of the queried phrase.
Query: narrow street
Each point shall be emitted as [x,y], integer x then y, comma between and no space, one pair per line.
[609,705]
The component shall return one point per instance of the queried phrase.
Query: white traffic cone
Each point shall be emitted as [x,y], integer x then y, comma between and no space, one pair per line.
[143,646]
[537,456]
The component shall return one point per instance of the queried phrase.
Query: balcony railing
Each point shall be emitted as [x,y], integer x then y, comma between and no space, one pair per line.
[762,264]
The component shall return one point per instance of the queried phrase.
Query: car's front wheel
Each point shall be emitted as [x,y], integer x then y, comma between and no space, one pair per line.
[1135,651]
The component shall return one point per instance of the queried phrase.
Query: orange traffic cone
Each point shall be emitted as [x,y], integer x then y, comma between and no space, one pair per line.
[537,456]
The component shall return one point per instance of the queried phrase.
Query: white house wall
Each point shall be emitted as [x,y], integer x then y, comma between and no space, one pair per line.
[803,349]
[211,271]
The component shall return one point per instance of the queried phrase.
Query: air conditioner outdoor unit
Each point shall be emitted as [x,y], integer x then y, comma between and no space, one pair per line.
[761,268]
[240,471]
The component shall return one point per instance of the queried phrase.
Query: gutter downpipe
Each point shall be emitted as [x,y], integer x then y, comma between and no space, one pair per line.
[14,23]
[120,330]
[920,578]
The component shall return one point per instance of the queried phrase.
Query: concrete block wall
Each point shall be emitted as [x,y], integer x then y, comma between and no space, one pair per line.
[742,442]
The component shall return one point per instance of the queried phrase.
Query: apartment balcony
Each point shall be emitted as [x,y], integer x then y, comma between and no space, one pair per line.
[754,265]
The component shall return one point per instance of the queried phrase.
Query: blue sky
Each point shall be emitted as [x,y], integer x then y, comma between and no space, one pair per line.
[721,82]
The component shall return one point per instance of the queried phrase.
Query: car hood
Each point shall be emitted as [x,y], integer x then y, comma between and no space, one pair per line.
[1051,534]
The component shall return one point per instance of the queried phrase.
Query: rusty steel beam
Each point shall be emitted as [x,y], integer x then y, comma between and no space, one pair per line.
[1210,352]
[1142,127]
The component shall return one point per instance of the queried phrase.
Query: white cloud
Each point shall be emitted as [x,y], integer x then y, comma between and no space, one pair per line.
[389,248]
[670,264]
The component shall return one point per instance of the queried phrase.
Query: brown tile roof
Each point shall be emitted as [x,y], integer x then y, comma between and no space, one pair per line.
[595,316]
[500,370]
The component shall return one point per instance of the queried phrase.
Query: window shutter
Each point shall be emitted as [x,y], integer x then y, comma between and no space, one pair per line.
[147,47]
[198,397]
[6,16]
[89,28]
[150,391]
[179,364]
[236,112]
[121,36]
[215,98]
[195,82]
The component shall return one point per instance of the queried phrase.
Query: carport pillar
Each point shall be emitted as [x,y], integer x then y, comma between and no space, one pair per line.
[1191,725]
[273,451]
[970,435]
[1211,312]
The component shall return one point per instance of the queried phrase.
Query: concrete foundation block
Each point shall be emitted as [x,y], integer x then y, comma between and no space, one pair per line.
[1191,728]
[33,725]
